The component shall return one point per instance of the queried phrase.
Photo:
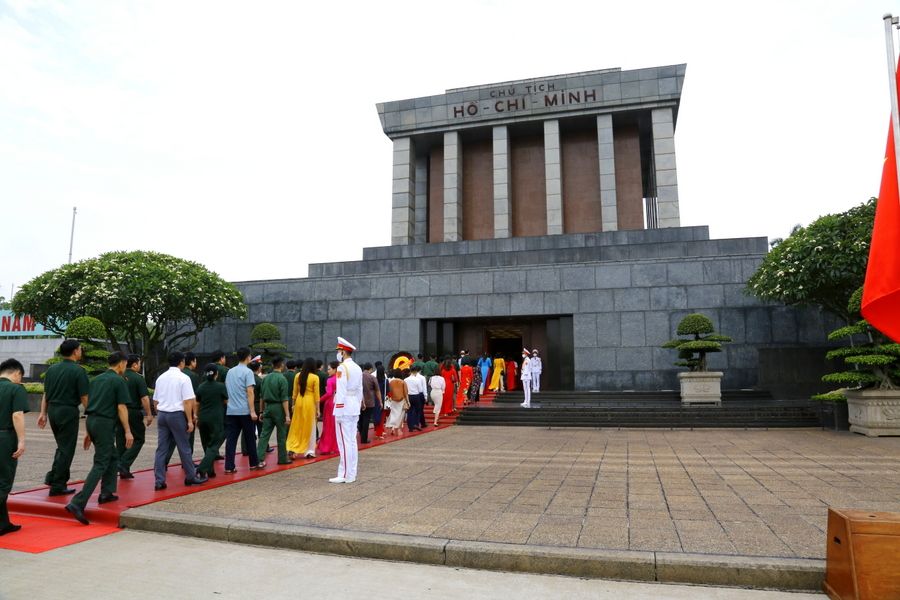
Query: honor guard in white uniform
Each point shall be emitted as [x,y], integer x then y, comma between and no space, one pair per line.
[526,377]
[348,401]
[536,368]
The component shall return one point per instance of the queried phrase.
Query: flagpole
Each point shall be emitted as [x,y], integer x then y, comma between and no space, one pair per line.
[889,22]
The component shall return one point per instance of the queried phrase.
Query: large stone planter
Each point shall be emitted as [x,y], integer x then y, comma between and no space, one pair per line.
[874,412]
[701,387]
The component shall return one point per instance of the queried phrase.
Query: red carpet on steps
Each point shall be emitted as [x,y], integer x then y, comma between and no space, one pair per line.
[47,525]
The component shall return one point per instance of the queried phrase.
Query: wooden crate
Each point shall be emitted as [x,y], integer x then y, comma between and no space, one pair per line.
[863,555]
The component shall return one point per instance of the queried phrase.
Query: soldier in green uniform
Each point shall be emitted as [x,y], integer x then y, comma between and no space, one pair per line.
[190,366]
[218,357]
[13,406]
[108,403]
[138,401]
[65,387]
[276,415]
[211,395]
[290,372]
[256,367]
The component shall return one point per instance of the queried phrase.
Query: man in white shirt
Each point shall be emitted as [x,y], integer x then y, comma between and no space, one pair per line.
[416,387]
[536,368]
[348,401]
[526,377]
[173,398]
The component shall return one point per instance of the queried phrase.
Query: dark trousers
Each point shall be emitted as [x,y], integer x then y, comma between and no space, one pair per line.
[415,417]
[273,419]
[365,417]
[172,426]
[103,435]
[125,455]
[243,426]
[8,443]
[212,434]
[64,423]
[190,440]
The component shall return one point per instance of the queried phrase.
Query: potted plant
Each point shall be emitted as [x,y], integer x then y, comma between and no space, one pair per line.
[873,384]
[698,385]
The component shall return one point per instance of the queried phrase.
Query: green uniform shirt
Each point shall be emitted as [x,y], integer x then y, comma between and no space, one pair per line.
[323,379]
[430,368]
[223,371]
[419,364]
[195,379]
[13,398]
[65,383]
[108,391]
[289,377]
[137,388]
[212,396]
[275,388]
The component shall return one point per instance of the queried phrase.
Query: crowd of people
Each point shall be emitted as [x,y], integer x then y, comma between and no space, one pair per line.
[231,405]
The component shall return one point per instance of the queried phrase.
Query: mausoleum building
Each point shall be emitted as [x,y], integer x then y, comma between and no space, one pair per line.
[541,213]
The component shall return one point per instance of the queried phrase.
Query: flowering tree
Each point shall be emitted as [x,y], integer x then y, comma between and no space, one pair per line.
[821,264]
[148,300]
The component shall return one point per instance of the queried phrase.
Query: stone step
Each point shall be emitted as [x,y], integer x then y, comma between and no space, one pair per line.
[713,249]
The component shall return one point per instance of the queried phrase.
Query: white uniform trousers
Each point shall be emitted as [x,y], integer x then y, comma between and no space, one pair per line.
[345,429]
[536,382]
[526,387]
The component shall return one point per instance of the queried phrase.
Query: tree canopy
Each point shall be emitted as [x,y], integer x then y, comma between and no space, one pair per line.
[821,264]
[145,299]
[702,339]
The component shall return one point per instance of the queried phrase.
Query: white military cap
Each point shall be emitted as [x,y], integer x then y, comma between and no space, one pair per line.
[343,344]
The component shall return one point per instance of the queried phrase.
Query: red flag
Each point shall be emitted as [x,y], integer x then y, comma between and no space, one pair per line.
[881,292]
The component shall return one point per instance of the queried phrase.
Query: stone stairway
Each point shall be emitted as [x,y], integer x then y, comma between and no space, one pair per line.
[660,409]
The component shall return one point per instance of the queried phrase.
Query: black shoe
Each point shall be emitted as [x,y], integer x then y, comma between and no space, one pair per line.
[125,474]
[219,457]
[160,486]
[198,480]
[64,492]
[78,513]
[104,498]
[270,449]
[10,529]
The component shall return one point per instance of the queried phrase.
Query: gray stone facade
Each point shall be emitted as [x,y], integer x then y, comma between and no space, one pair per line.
[625,290]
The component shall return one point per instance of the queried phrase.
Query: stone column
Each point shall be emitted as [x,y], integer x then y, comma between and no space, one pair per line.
[404,190]
[421,217]
[664,161]
[553,175]
[502,216]
[453,183]
[609,212]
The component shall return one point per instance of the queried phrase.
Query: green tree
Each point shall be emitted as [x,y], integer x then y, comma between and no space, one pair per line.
[702,339]
[821,264]
[266,341]
[875,359]
[150,301]
[92,335]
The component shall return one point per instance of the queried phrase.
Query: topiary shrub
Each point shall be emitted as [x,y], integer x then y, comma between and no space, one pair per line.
[86,329]
[266,341]
[702,340]
[875,359]
[93,353]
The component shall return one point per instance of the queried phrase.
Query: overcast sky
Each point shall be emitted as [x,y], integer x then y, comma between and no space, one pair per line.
[244,135]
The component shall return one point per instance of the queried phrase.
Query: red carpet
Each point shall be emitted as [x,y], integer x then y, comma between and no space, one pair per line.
[47,525]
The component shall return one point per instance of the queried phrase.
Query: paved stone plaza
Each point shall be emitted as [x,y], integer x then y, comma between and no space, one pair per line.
[751,493]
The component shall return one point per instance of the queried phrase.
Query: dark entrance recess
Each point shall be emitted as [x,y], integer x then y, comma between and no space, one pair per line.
[553,336]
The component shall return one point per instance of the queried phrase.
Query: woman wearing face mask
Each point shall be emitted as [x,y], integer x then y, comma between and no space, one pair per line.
[328,439]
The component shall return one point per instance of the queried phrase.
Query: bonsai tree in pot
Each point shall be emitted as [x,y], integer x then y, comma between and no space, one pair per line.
[266,341]
[872,383]
[698,385]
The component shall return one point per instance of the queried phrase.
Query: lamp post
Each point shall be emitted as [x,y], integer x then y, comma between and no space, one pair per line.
[72,234]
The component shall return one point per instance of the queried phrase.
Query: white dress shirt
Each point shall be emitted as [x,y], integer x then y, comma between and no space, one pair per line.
[348,395]
[172,388]
[415,384]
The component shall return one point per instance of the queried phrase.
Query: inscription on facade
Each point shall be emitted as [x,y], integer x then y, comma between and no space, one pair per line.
[520,97]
